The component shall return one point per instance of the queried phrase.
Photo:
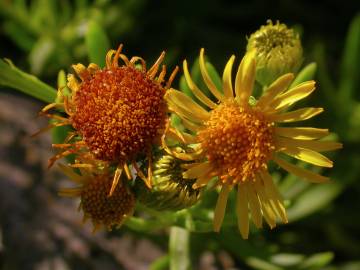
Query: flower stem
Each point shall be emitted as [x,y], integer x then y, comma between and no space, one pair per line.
[179,249]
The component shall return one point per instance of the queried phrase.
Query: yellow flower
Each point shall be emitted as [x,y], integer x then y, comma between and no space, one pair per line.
[93,189]
[234,140]
[117,113]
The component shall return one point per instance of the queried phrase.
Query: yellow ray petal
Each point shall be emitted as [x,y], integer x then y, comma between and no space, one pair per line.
[227,81]
[92,68]
[300,172]
[255,207]
[301,133]
[188,138]
[242,211]
[319,146]
[184,156]
[69,172]
[274,196]
[183,137]
[208,81]
[196,91]
[198,170]
[293,95]
[173,133]
[269,186]
[245,78]
[202,181]
[70,192]
[276,88]
[220,207]
[73,83]
[81,71]
[190,125]
[183,113]
[116,178]
[307,155]
[183,101]
[267,211]
[295,116]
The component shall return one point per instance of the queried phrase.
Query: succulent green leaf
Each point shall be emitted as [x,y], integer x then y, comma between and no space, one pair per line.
[305,74]
[97,43]
[313,199]
[40,54]
[161,263]
[350,65]
[13,77]
[317,261]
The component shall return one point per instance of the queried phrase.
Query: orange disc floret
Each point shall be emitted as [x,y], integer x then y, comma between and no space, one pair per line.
[119,111]
[238,140]
[102,209]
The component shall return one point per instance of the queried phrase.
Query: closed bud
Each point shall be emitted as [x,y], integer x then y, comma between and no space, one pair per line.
[170,191]
[278,51]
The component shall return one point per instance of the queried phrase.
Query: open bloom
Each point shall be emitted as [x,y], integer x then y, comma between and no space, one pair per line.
[117,113]
[234,140]
[93,189]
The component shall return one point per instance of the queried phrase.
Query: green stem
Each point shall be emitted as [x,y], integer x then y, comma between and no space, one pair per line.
[143,225]
[179,249]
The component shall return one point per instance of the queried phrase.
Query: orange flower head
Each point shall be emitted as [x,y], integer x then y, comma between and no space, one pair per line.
[98,206]
[103,209]
[119,111]
[238,141]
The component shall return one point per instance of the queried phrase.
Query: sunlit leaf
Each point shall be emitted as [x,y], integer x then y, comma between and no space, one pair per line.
[317,261]
[40,54]
[305,74]
[313,199]
[13,77]
[97,43]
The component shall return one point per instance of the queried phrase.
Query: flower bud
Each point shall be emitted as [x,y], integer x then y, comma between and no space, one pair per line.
[278,51]
[170,191]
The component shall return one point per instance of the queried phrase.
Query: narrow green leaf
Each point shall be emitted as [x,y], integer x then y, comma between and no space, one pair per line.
[60,133]
[259,264]
[305,74]
[163,263]
[185,88]
[40,54]
[313,199]
[13,77]
[317,261]
[287,259]
[97,43]
[326,84]
[350,65]
[179,249]
[214,75]
[199,81]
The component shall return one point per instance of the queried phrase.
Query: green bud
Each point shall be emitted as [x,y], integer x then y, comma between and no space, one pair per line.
[279,51]
[170,191]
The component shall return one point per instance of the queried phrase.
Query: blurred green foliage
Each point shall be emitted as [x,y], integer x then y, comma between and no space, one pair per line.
[51,33]
[324,223]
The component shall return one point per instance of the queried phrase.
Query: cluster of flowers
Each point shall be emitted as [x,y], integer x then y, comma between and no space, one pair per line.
[121,134]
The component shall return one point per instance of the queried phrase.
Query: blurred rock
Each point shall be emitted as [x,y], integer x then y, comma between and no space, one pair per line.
[40,230]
